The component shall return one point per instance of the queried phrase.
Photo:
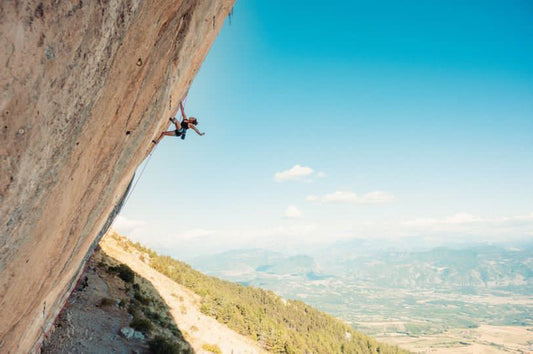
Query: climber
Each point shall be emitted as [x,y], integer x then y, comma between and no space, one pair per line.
[181,128]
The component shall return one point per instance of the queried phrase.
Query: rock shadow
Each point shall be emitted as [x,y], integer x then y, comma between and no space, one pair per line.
[113,309]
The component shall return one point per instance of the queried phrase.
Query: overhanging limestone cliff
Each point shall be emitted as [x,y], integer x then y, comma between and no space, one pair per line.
[86,86]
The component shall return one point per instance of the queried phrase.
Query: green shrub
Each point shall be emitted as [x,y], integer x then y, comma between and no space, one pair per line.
[183,310]
[154,316]
[132,310]
[174,329]
[141,298]
[141,324]
[162,345]
[213,348]
[124,272]
[105,301]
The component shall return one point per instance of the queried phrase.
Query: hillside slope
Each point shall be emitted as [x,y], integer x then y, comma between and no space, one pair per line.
[109,299]
[86,86]
[184,305]
[276,324]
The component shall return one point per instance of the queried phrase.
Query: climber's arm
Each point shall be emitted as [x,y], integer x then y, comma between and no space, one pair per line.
[195,129]
[182,111]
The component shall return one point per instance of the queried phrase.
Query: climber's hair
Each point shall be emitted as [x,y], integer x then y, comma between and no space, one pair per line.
[193,120]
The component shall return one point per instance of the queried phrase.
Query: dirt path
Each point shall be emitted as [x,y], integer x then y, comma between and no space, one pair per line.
[198,328]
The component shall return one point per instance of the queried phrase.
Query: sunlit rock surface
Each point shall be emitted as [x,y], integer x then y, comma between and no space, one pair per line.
[86,85]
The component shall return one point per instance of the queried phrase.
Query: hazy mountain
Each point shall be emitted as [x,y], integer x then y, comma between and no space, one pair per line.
[480,267]
[249,265]
[237,262]
[362,281]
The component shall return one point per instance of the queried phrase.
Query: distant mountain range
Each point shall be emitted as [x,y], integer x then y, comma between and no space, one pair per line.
[479,267]
[361,282]
[247,265]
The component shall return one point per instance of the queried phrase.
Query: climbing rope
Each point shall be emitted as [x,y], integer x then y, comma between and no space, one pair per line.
[140,175]
[150,155]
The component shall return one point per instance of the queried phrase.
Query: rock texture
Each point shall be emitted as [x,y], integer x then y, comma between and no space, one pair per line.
[86,85]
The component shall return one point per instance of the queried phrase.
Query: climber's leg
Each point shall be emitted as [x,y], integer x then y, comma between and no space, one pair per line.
[176,123]
[168,133]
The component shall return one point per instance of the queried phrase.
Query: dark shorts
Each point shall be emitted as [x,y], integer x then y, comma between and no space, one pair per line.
[180,133]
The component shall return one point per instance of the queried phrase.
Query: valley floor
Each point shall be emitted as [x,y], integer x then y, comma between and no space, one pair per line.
[484,339]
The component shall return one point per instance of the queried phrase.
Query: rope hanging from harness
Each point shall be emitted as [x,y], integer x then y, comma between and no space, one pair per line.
[140,175]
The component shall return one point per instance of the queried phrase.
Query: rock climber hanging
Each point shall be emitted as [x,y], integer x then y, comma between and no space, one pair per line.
[181,128]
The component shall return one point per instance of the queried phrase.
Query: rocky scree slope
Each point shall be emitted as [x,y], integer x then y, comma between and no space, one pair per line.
[86,86]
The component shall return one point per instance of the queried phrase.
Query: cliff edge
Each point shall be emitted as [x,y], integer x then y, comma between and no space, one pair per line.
[85,87]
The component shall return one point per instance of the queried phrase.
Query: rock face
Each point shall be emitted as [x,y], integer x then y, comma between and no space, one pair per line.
[86,85]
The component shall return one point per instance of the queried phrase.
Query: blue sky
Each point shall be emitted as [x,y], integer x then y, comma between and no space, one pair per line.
[402,118]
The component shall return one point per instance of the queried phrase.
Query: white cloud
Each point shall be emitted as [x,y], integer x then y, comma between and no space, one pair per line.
[126,226]
[295,173]
[376,197]
[321,174]
[292,212]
